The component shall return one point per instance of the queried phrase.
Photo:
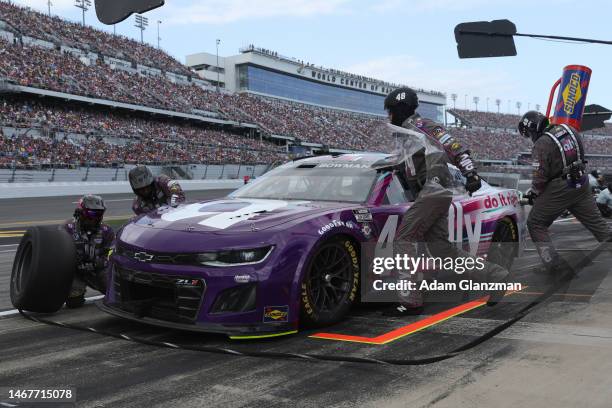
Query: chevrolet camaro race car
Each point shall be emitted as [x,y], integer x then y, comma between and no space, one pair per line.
[280,252]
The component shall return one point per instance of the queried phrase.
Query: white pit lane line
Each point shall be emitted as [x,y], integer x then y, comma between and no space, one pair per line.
[15,311]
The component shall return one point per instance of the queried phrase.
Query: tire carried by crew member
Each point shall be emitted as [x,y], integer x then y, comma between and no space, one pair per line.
[331,283]
[43,269]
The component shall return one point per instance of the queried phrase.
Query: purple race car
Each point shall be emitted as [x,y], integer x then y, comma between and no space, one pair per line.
[282,251]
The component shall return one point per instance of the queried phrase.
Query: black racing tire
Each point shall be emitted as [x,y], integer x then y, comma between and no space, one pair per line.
[330,285]
[43,269]
[503,247]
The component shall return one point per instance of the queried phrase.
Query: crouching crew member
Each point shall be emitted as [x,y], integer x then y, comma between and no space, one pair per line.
[93,241]
[560,182]
[153,192]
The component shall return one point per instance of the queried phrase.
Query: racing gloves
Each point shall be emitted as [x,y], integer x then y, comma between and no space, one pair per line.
[530,195]
[174,200]
[472,182]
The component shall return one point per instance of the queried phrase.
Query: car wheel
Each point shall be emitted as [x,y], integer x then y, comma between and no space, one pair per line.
[330,284]
[43,269]
[503,249]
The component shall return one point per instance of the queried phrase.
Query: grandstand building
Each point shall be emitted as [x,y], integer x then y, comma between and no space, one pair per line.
[264,72]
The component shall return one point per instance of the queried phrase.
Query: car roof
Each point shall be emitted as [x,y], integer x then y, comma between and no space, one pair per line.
[365,159]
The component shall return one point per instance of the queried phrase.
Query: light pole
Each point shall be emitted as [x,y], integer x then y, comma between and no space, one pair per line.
[518,107]
[84,5]
[141,23]
[465,102]
[487,104]
[454,98]
[508,106]
[475,100]
[49,4]
[158,37]
[498,102]
[537,107]
[218,69]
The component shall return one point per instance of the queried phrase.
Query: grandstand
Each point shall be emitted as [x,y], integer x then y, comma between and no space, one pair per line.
[74,96]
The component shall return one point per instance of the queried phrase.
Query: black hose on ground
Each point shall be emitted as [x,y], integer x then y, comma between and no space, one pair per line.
[561,282]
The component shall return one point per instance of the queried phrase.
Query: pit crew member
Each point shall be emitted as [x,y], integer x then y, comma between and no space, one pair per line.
[596,181]
[421,165]
[560,183]
[604,201]
[401,106]
[93,241]
[153,192]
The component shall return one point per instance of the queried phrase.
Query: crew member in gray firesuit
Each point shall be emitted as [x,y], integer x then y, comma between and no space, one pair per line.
[401,105]
[560,183]
[153,192]
[422,167]
[93,241]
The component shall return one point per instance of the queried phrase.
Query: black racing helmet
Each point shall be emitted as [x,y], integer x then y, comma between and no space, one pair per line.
[401,103]
[90,211]
[532,125]
[141,180]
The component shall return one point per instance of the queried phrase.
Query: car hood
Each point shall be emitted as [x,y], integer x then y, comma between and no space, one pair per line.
[232,215]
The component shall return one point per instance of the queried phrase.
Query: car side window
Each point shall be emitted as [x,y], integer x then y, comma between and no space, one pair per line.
[395,193]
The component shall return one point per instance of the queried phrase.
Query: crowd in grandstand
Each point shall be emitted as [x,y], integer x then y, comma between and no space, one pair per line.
[25,151]
[489,135]
[54,29]
[486,119]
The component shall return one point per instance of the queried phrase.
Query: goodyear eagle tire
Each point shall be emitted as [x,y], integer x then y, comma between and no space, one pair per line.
[43,269]
[503,247]
[330,284]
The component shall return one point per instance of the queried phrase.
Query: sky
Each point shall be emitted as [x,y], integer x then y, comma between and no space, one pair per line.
[409,42]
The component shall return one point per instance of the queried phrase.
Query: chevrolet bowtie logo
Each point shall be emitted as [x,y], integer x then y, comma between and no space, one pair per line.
[143,257]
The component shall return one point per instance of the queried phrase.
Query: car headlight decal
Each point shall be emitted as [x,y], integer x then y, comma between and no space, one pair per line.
[234,257]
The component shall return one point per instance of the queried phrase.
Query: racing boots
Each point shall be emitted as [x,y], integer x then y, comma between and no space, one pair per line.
[75,302]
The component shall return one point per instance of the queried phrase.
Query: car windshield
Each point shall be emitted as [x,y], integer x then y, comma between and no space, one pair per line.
[312,182]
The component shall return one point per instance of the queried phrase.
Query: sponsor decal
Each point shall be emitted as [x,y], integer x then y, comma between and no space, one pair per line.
[572,94]
[343,166]
[455,146]
[242,278]
[274,314]
[362,215]
[187,282]
[437,131]
[445,139]
[143,257]
[366,230]
[335,224]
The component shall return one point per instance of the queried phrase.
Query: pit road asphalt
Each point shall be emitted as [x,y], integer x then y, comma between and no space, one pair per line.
[560,355]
